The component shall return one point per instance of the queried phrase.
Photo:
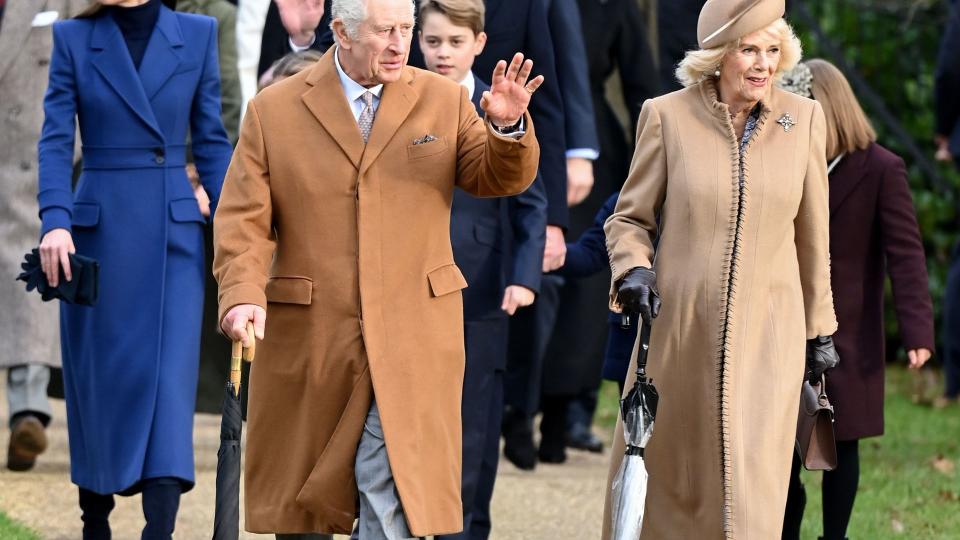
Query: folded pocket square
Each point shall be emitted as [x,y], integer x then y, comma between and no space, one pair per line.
[82,289]
[424,139]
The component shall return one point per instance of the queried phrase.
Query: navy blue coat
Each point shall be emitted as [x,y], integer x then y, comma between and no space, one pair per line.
[586,257]
[496,242]
[490,256]
[514,26]
[130,363]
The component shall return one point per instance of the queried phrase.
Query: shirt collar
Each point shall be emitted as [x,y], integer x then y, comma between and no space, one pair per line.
[470,84]
[351,88]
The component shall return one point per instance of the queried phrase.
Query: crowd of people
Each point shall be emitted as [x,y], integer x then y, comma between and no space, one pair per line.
[439,229]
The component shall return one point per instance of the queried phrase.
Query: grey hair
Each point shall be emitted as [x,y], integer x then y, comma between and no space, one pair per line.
[352,13]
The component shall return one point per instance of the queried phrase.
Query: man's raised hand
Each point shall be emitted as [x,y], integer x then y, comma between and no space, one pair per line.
[510,92]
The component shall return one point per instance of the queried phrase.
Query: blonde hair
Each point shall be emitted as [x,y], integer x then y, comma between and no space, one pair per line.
[848,128]
[702,63]
[466,13]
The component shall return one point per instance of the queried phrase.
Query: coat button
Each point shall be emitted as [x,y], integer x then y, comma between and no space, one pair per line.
[24,165]
[159,156]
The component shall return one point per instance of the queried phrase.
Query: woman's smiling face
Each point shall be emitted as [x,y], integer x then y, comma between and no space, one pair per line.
[747,72]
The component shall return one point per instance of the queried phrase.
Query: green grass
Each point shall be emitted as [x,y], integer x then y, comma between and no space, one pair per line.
[11,530]
[903,495]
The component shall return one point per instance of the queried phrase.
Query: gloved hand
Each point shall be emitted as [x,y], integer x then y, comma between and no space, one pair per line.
[821,356]
[638,293]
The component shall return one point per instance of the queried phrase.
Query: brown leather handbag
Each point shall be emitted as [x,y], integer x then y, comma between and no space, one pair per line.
[815,439]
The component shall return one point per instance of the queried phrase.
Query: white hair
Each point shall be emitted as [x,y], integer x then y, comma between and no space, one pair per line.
[352,13]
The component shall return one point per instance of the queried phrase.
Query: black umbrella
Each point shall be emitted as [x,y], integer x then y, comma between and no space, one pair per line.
[226,521]
[637,411]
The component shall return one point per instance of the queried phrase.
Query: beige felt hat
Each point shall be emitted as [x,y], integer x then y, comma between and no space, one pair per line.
[722,21]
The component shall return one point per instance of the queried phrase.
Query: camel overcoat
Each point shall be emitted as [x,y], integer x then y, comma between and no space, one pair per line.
[743,271]
[347,246]
[29,327]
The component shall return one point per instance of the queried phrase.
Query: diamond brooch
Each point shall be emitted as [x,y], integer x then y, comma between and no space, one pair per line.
[787,122]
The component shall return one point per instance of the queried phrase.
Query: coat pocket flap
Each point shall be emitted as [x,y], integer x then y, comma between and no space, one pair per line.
[290,290]
[85,214]
[185,210]
[417,151]
[446,279]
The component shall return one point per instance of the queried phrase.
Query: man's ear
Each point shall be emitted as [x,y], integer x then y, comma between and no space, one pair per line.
[480,43]
[340,32]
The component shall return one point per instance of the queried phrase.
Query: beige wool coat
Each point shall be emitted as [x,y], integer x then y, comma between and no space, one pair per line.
[347,247]
[29,327]
[744,276]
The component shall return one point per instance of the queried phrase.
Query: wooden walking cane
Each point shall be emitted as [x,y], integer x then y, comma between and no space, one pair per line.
[240,353]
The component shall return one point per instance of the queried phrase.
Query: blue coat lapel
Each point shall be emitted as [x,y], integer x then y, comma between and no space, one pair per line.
[162,57]
[112,60]
[160,61]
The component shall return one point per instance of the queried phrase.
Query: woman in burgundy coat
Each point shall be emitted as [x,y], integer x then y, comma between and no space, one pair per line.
[873,233]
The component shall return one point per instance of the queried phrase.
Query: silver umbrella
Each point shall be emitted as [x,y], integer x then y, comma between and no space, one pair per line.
[638,410]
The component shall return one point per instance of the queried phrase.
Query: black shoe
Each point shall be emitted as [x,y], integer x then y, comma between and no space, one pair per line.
[518,442]
[581,438]
[552,453]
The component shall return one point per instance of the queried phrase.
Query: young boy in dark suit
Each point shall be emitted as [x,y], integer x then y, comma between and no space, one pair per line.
[498,244]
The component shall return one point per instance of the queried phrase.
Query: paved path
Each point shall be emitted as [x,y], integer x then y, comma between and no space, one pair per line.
[554,503]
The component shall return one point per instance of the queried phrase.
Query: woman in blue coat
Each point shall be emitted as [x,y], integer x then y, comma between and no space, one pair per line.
[138,77]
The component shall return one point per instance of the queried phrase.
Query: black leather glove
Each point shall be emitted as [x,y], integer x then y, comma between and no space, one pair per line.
[82,289]
[821,356]
[638,293]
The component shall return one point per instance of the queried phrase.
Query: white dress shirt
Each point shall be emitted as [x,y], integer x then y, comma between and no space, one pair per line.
[470,84]
[354,91]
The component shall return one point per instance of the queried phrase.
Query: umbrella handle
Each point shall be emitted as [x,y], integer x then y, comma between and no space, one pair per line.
[239,353]
[644,348]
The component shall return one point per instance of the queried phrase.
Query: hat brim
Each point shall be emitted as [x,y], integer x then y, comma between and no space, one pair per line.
[717,26]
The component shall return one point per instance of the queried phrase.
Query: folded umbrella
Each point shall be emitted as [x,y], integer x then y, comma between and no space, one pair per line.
[226,521]
[638,410]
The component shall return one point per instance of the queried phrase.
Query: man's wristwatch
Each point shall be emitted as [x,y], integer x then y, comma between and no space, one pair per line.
[509,131]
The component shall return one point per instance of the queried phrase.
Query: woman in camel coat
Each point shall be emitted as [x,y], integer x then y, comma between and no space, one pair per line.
[730,174]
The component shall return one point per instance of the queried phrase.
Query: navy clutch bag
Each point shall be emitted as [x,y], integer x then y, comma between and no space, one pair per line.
[82,289]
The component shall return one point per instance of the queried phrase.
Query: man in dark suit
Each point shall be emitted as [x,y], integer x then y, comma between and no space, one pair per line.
[495,266]
[947,137]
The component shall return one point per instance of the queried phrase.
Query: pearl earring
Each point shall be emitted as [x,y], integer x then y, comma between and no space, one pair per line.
[716,73]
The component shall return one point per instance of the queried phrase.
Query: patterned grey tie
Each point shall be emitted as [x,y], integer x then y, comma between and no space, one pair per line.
[366,117]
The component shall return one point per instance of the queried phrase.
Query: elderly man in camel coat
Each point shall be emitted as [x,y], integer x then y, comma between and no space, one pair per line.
[332,236]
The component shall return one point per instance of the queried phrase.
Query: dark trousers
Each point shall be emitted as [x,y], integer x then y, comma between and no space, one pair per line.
[530,331]
[839,493]
[161,500]
[481,412]
[951,327]
[580,412]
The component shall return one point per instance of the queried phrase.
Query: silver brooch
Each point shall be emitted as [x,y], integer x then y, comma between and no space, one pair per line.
[787,122]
